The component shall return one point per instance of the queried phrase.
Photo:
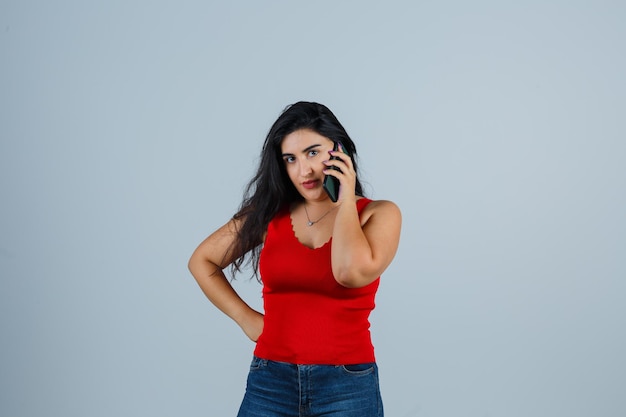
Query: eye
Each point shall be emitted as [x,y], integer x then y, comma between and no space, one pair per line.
[313,152]
[289,159]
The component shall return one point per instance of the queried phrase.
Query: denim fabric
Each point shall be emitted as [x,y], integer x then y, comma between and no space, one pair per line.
[278,389]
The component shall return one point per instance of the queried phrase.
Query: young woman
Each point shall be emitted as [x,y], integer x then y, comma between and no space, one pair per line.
[319,261]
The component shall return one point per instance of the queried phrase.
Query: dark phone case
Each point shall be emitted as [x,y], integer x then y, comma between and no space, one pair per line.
[331,184]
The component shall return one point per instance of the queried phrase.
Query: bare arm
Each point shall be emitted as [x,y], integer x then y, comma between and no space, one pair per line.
[363,248]
[206,265]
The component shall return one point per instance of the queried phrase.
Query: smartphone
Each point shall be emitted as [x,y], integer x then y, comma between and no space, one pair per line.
[331,184]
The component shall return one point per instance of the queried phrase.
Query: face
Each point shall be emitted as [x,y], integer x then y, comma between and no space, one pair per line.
[304,152]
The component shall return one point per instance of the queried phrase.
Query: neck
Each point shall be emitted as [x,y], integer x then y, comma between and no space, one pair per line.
[318,211]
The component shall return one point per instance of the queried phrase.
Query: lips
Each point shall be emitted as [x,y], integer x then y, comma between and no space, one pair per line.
[310,184]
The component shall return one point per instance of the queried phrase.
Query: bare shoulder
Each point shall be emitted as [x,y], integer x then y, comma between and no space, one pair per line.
[382,211]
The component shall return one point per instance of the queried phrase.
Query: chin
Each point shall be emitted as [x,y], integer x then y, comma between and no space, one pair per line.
[314,194]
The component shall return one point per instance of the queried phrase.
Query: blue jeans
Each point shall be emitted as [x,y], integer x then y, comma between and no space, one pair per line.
[279,389]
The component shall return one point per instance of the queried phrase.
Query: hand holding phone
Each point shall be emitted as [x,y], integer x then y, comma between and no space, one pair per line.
[331,184]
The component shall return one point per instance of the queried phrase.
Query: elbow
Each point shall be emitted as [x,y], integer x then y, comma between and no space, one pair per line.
[346,281]
[197,266]
[350,284]
[353,278]
[194,261]
[192,265]
[201,267]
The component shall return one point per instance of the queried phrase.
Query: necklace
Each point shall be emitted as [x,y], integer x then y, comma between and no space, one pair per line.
[312,222]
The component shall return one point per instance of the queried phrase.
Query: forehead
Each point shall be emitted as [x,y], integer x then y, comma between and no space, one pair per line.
[301,139]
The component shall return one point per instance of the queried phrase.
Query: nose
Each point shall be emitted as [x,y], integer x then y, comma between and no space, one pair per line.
[305,169]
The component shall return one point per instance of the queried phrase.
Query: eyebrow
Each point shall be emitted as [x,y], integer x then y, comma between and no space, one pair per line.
[305,150]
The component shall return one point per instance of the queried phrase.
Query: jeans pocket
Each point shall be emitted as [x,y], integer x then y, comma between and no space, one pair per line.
[257,363]
[359,369]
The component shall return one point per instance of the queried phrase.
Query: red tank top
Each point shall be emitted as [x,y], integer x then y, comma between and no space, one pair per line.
[309,317]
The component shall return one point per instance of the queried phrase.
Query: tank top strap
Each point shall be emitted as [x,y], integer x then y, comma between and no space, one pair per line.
[362,203]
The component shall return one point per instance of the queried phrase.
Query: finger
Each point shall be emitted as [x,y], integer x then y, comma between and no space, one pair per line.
[336,165]
[338,155]
[341,173]
[332,171]
[340,166]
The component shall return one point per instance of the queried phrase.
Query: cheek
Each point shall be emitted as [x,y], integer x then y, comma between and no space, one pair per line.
[292,171]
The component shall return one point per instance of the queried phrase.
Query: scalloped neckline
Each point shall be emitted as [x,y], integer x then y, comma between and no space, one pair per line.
[295,236]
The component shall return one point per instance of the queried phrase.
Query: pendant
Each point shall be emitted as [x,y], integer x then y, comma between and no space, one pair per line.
[310,223]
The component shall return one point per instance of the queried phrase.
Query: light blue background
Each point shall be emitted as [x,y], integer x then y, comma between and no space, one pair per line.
[128,130]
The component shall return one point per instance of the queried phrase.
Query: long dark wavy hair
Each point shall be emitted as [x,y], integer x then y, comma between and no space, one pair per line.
[271,189]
